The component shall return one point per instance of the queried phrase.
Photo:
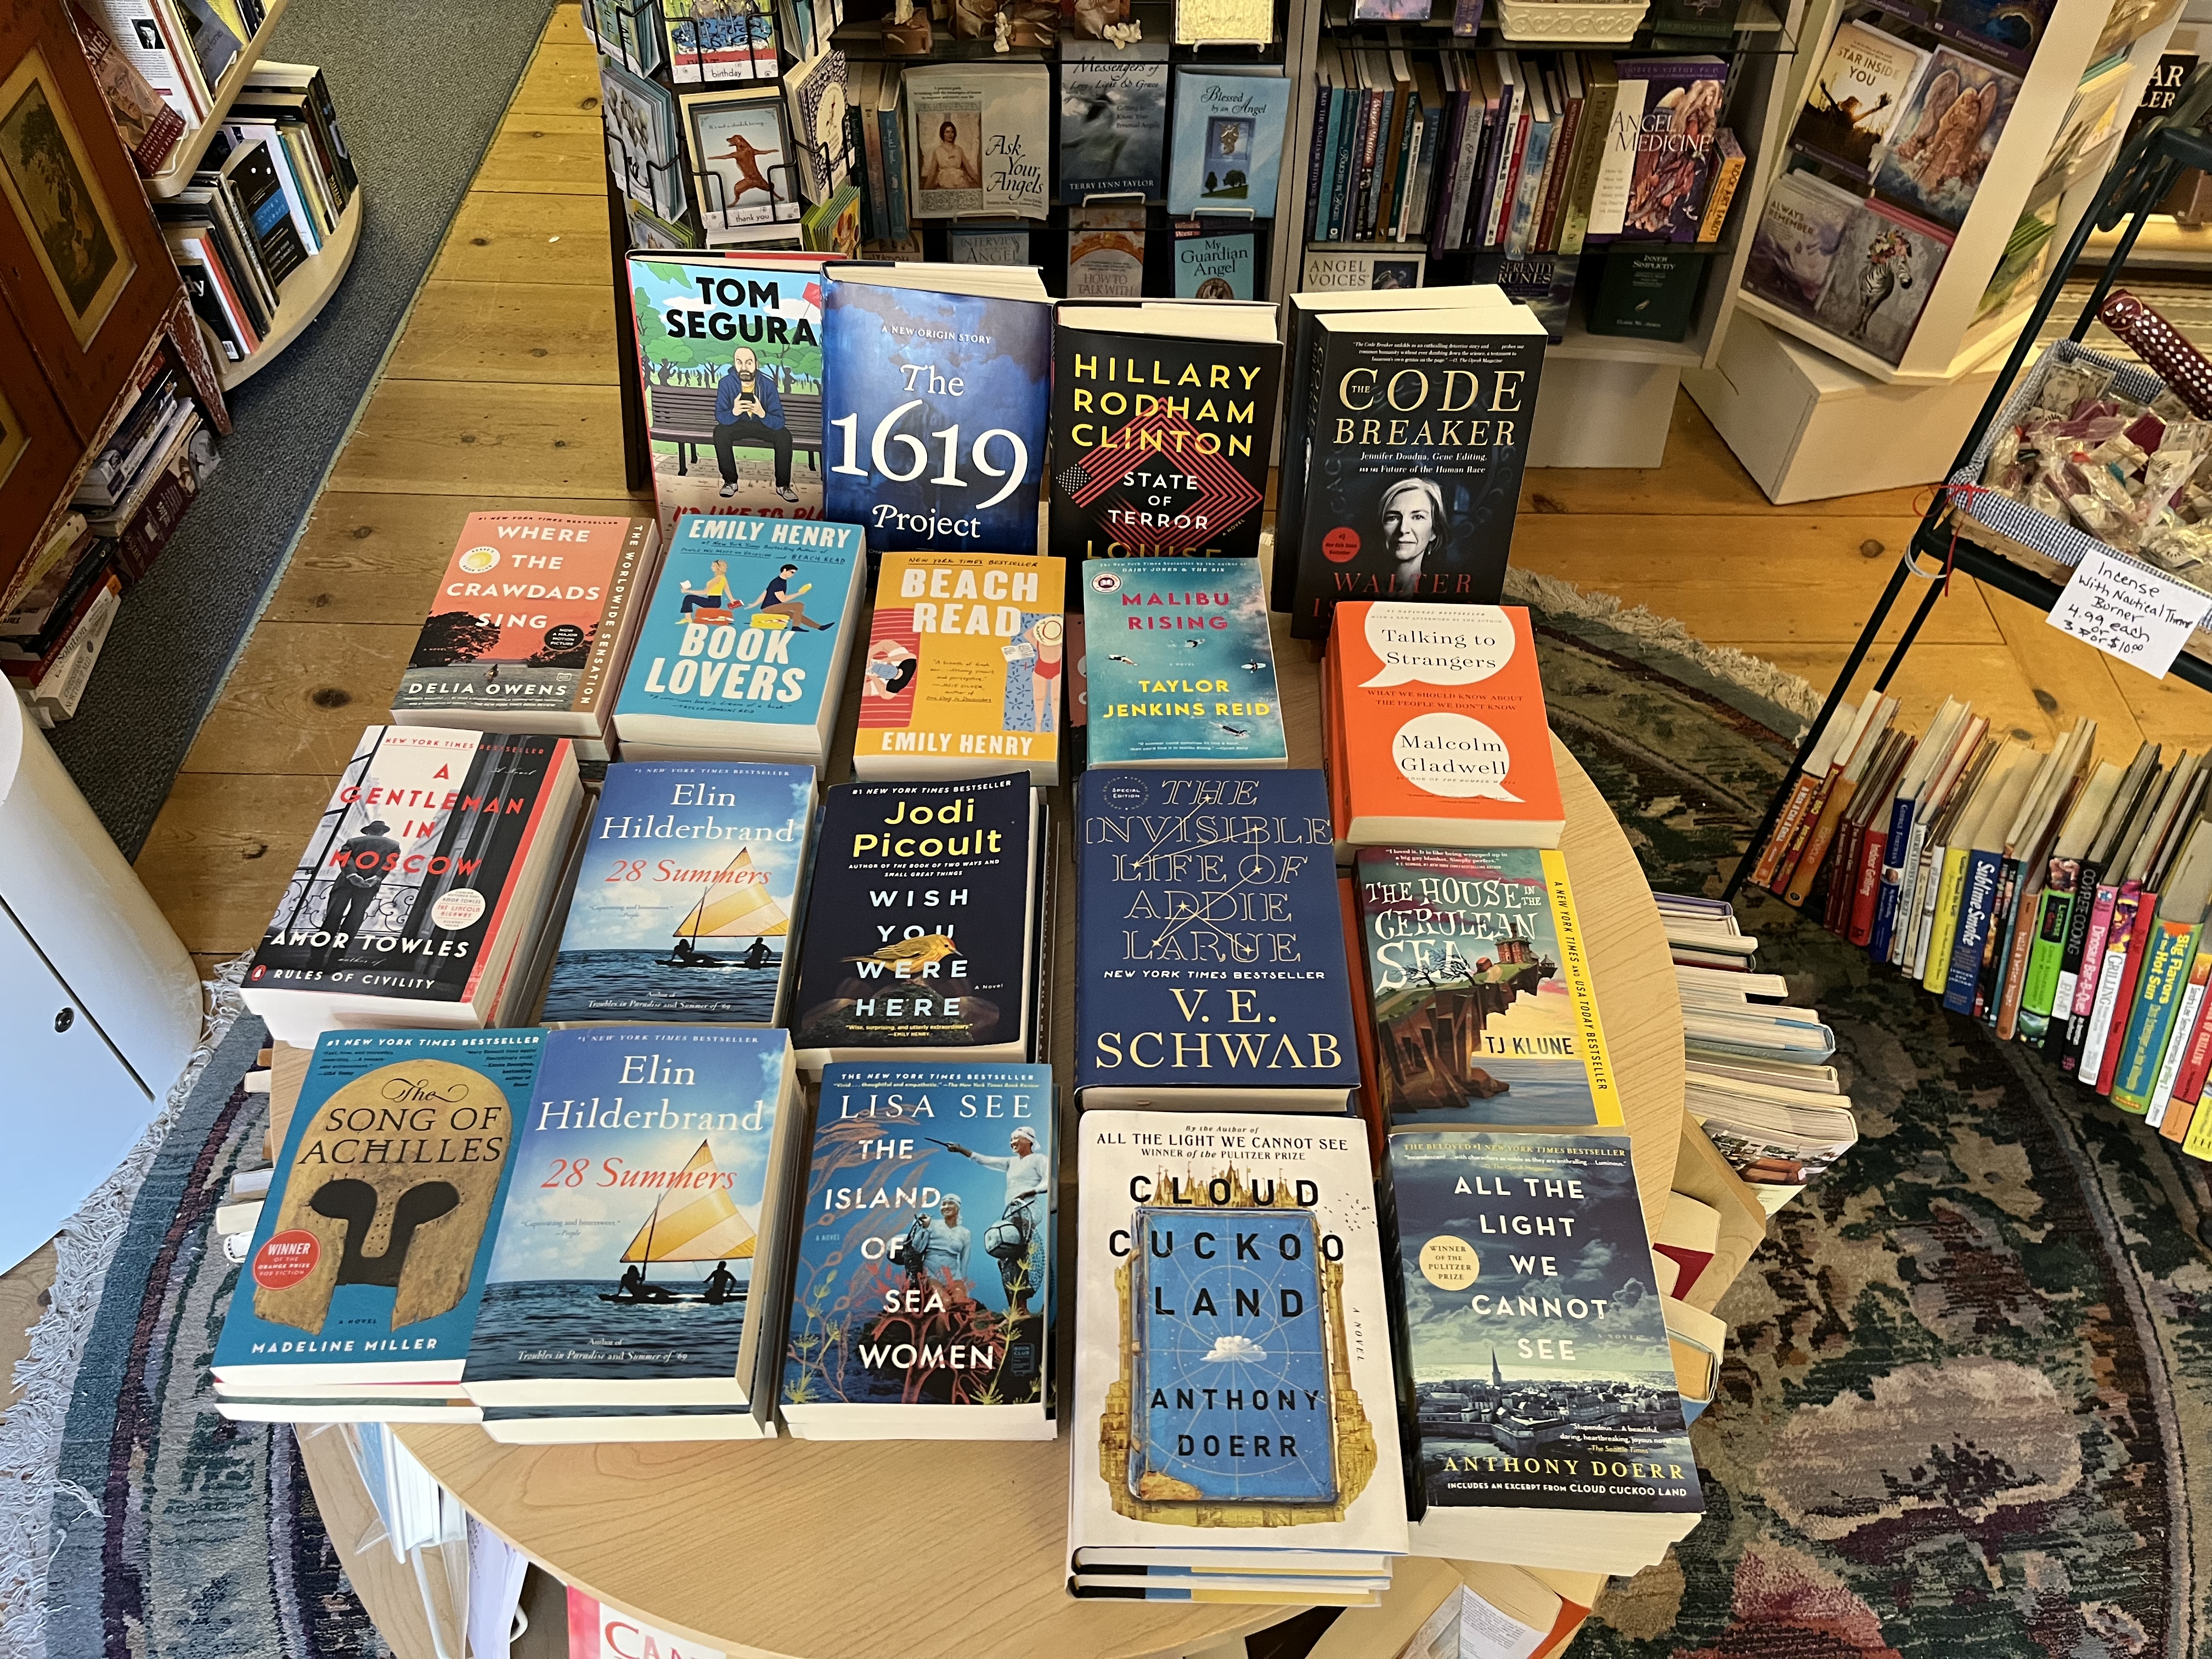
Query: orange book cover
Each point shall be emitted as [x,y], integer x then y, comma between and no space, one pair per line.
[1439,723]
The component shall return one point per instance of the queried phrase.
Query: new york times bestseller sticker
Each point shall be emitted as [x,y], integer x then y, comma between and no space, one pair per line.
[1449,1263]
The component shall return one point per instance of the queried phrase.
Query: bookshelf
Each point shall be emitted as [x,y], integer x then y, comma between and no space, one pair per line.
[301,298]
[186,160]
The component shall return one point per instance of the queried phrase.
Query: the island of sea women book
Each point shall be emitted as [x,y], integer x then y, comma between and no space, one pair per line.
[685,903]
[640,1259]
[938,388]
[1232,1411]
[921,1296]
[532,625]
[1227,149]
[741,652]
[1537,1393]
[1480,992]
[1209,953]
[368,1261]
[1182,672]
[920,924]
[1415,445]
[967,656]
[731,353]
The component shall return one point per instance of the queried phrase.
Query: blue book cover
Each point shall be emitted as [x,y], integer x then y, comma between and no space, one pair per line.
[1217,265]
[935,417]
[1976,901]
[684,902]
[748,624]
[639,1222]
[925,1254]
[1180,668]
[1893,877]
[1209,941]
[1227,147]
[368,1261]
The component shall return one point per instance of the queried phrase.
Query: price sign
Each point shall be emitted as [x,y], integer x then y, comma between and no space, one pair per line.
[2129,612]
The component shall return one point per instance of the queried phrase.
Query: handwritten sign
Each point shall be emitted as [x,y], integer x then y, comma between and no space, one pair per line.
[2129,612]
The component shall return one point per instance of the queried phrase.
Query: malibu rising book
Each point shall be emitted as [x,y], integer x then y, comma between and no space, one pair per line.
[922,1299]
[938,380]
[638,1263]
[685,905]
[1181,669]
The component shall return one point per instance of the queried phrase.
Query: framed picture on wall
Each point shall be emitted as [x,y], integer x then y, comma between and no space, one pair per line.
[58,198]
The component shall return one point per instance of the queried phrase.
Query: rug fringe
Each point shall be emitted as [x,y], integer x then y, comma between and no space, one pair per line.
[31,1434]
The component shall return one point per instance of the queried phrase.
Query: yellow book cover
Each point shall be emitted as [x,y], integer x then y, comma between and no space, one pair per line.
[2198,1142]
[1945,929]
[967,657]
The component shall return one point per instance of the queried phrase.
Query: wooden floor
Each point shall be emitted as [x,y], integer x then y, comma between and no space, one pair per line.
[502,392]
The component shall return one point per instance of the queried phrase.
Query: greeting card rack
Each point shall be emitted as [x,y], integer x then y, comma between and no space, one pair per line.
[2130,193]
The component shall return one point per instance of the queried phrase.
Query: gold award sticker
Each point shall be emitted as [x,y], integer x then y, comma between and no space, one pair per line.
[1449,1263]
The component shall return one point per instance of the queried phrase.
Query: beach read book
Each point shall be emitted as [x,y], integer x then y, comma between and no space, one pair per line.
[368,1261]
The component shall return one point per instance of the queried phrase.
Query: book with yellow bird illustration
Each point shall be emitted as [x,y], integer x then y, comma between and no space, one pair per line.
[640,1261]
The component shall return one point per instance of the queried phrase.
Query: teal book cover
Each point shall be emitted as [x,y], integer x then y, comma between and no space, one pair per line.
[369,1257]
[1227,151]
[1179,668]
[1215,265]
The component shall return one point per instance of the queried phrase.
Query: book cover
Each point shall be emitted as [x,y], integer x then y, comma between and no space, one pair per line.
[1257,1244]
[369,1257]
[1113,125]
[1227,150]
[1163,443]
[1857,96]
[1795,243]
[412,865]
[1480,999]
[1544,283]
[1557,1348]
[1335,269]
[817,95]
[1883,272]
[643,150]
[981,139]
[1676,126]
[1209,947]
[925,1243]
[645,1202]
[1105,264]
[730,356]
[713,40]
[966,653]
[741,139]
[1185,673]
[1941,145]
[936,407]
[528,615]
[992,243]
[685,904]
[918,923]
[1214,265]
[2011,28]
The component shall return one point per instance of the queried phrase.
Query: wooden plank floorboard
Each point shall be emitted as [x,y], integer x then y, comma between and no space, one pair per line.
[222,850]
[299,696]
[547,155]
[502,237]
[453,437]
[541,333]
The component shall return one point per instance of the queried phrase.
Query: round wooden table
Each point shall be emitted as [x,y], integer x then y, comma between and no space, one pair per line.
[850,1551]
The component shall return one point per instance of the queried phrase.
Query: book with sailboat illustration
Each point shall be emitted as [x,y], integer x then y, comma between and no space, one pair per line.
[684,901]
[640,1260]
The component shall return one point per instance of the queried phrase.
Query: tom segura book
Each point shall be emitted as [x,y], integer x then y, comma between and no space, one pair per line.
[1480,990]
[937,404]
[730,358]
[685,905]
[741,652]
[921,923]
[922,1299]
[368,1259]
[1232,1382]
[1209,950]
[532,625]
[1415,447]
[640,1260]
[1181,669]
[1536,1391]
[1164,441]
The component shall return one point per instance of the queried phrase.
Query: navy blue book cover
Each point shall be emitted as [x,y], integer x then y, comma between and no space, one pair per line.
[1209,941]
[934,420]
[1534,1370]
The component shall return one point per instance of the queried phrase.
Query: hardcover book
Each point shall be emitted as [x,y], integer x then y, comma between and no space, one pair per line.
[1209,953]
[1214,264]
[685,903]
[981,139]
[367,1265]
[1185,674]
[1941,145]
[1113,122]
[1856,98]
[1227,150]
[1232,1404]
[1795,243]
[966,656]
[922,1303]
[640,1259]
[741,652]
[532,625]
[1479,993]
[1880,280]
[936,405]
[920,924]
[741,136]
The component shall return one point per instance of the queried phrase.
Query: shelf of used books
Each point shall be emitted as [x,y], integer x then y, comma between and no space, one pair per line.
[301,297]
[185,159]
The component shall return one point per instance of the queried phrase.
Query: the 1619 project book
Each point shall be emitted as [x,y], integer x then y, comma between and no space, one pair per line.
[1233,1410]
[1180,668]
[685,904]
[422,889]
[640,1259]
[368,1261]
[922,1299]
[1536,1387]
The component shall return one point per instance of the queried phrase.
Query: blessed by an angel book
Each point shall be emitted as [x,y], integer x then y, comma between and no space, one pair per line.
[1227,151]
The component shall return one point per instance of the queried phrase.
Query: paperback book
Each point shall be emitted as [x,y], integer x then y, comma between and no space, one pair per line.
[1883,272]
[1185,674]
[1680,114]
[1227,150]
[1214,264]
[980,138]
[1856,98]
[1330,269]
[1113,122]
[1795,246]
[1105,263]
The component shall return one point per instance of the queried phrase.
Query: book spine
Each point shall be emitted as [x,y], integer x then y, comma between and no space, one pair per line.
[1316,153]
[2012,968]
[1844,879]
[1944,929]
[1445,180]
[2083,902]
[2099,934]
[2054,912]
[1884,932]
[2115,984]
[1597,119]
[1785,826]
[1997,951]
[2166,1116]
[2196,1061]
[1564,136]
[1817,842]
[1370,148]
[1786,867]
[1866,899]
[1726,175]
[1509,174]
[1475,149]
[1528,189]
[2150,1013]
[1574,970]
[2197,1142]
[1977,902]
